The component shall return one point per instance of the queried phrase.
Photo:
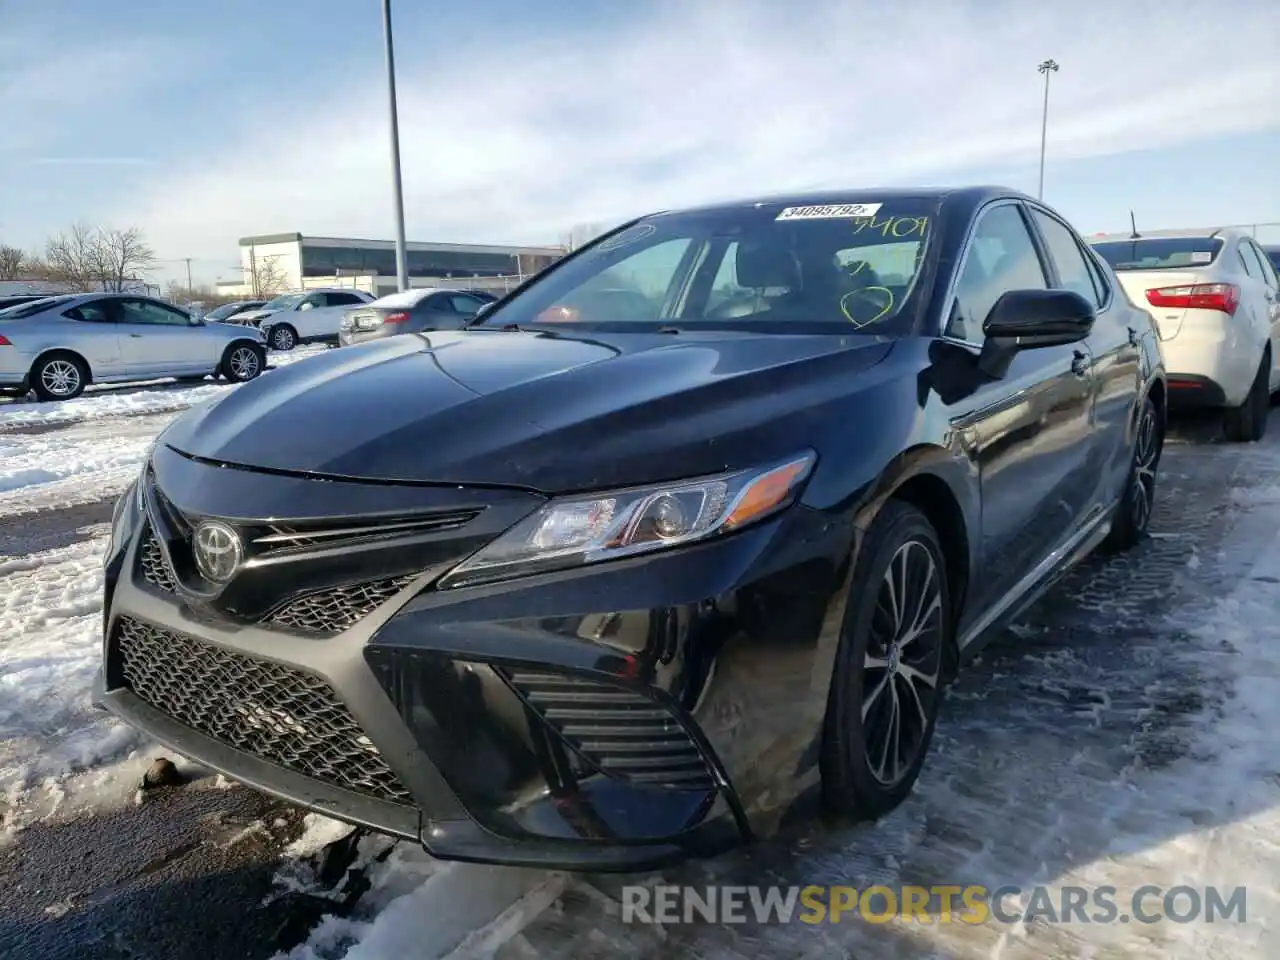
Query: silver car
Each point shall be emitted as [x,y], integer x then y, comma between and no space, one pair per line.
[59,345]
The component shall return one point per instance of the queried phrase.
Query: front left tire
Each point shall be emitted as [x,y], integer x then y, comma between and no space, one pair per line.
[887,684]
[1133,513]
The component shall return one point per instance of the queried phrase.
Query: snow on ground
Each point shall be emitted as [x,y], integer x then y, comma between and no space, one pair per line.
[122,400]
[54,456]
[57,469]
[51,625]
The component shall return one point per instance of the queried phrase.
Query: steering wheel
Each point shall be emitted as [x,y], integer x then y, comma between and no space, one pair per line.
[866,305]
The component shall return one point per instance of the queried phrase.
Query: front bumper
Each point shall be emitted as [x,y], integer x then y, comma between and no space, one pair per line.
[607,718]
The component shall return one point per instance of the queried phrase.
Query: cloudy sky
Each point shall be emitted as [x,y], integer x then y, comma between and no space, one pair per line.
[202,122]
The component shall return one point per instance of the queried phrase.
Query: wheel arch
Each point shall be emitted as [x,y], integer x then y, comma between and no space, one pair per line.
[938,484]
[49,352]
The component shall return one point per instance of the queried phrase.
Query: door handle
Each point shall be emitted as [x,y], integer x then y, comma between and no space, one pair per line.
[136,336]
[1080,363]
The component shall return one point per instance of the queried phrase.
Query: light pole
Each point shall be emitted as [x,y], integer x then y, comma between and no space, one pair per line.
[1046,67]
[402,267]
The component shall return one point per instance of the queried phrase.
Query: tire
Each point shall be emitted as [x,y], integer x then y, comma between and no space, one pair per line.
[1133,514]
[59,376]
[282,337]
[242,362]
[858,775]
[1248,422]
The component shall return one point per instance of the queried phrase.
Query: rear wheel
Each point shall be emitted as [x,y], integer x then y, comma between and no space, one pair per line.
[1133,514]
[283,337]
[887,683]
[59,376]
[242,361]
[1248,422]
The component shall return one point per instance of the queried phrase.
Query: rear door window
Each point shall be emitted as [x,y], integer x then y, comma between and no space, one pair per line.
[1265,270]
[1073,270]
[94,312]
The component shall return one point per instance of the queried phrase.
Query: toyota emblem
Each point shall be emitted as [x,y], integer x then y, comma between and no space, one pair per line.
[218,551]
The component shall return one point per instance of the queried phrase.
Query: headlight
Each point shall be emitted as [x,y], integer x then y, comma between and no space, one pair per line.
[573,531]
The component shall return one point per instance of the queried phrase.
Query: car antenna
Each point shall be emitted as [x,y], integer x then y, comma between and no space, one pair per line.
[1135,235]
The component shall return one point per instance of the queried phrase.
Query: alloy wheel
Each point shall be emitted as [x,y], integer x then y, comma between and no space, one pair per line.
[244,363]
[60,377]
[903,663]
[281,339]
[1146,451]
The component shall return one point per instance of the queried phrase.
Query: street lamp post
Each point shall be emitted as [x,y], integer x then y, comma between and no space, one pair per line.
[402,267]
[1046,67]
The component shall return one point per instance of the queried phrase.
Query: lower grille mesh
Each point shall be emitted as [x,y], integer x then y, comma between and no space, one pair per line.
[276,713]
[332,611]
[155,569]
[624,733]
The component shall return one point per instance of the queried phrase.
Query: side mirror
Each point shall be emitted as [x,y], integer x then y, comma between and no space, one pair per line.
[306,305]
[196,321]
[482,309]
[1029,320]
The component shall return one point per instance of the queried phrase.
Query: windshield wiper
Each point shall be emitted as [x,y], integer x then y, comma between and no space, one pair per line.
[668,329]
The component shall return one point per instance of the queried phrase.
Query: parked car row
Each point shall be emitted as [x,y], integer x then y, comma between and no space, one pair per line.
[709,511]
[56,346]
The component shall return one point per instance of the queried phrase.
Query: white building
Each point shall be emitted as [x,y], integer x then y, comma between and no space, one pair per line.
[291,261]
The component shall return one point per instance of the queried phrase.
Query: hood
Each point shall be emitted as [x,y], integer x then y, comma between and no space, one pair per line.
[254,315]
[549,412]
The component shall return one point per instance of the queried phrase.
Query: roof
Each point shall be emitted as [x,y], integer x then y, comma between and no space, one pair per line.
[970,194]
[270,238]
[1224,233]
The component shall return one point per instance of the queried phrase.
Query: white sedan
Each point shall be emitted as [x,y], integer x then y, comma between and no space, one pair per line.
[1215,297]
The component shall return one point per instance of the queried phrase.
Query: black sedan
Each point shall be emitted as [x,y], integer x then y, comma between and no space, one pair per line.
[414,311]
[693,527]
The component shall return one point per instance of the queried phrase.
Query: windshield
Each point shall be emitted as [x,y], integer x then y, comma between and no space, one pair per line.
[765,268]
[283,302]
[1159,253]
[226,310]
[30,307]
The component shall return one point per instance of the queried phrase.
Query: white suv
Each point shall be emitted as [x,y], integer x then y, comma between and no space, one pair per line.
[308,316]
[1215,298]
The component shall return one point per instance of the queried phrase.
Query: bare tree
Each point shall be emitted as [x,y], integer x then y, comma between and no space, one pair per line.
[12,262]
[266,278]
[96,258]
[122,255]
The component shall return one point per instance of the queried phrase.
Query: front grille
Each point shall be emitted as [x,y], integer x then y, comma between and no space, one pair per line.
[626,734]
[154,567]
[281,715]
[332,611]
